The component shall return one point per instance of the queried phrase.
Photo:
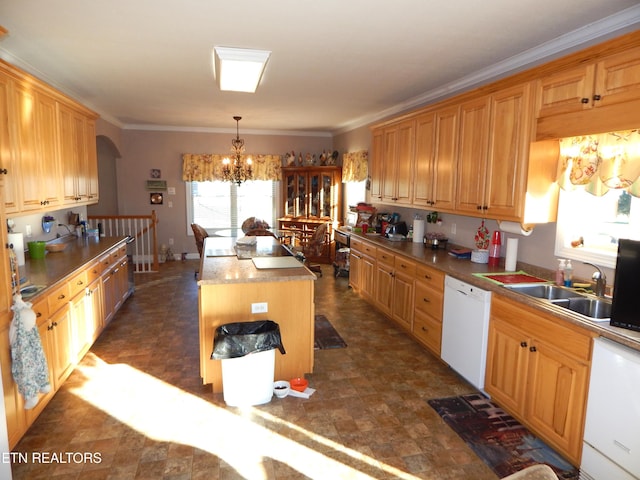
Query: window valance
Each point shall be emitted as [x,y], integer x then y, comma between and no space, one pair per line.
[355,166]
[207,167]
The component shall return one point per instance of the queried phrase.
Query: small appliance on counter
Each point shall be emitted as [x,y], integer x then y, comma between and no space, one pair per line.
[626,303]
[399,228]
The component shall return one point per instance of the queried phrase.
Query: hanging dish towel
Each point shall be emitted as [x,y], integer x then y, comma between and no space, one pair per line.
[28,363]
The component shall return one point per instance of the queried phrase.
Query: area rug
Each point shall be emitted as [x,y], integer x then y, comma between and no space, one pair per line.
[496,437]
[325,335]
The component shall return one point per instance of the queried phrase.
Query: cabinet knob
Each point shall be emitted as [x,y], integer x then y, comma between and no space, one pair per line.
[584,100]
[523,344]
[428,277]
[50,327]
[61,297]
[424,329]
[426,300]
[597,97]
[55,324]
[533,349]
[3,171]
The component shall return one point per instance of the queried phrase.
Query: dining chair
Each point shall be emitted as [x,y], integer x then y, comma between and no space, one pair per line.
[200,234]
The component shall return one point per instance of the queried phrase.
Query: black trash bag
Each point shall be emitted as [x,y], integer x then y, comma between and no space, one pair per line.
[235,340]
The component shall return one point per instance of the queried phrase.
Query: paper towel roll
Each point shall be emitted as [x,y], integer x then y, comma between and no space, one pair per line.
[513,227]
[17,240]
[512,255]
[418,231]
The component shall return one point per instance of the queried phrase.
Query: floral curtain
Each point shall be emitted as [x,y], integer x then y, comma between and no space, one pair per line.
[207,167]
[601,162]
[355,166]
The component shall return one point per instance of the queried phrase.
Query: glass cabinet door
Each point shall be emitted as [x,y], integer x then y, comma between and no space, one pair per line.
[325,197]
[291,181]
[300,210]
[314,197]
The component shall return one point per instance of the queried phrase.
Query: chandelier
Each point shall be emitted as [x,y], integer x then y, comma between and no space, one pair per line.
[237,170]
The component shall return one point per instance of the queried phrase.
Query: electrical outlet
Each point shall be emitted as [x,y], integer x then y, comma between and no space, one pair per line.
[171,241]
[453,229]
[262,307]
[170,204]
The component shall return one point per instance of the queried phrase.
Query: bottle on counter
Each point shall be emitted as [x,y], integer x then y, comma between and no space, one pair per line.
[568,274]
[494,249]
[560,272]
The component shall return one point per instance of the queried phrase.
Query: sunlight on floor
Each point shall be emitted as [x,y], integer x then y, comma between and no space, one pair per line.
[165,413]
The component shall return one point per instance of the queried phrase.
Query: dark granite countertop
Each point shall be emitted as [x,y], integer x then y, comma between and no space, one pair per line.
[56,267]
[463,269]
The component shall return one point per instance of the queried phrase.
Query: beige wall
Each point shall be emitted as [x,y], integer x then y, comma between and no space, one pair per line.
[143,150]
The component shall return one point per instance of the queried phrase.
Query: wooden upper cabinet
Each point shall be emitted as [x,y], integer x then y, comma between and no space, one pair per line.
[393,162]
[435,159]
[376,164]
[8,160]
[48,151]
[473,155]
[399,150]
[611,80]
[495,135]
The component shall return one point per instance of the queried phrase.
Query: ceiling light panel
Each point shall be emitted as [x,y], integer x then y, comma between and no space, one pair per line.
[239,69]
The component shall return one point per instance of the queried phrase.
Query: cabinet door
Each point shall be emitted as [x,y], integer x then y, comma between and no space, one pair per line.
[64,357]
[445,159]
[48,156]
[424,157]
[509,138]
[355,259]
[74,154]
[95,312]
[109,289]
[618,78]
[368,277]
[472,155]
[92,162]
[404,162]
[81,326]
[402,302]
[507,356]
[26,144]
[376,165]
[384,287]
[389,165]
[8,155]
[556,402]
[566,91]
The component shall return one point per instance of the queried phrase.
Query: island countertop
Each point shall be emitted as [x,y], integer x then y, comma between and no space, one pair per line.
[220,264]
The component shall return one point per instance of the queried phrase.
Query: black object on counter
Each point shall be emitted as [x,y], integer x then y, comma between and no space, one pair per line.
[238,339]
[626,302]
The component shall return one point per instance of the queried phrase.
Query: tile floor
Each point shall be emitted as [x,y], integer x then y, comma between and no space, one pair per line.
[135,406]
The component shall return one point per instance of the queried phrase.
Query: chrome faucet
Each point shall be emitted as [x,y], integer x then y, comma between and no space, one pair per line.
[599,279]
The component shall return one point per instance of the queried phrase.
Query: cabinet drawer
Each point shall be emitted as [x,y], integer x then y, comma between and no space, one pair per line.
[428,300]
[58,298]
[385,256]
[428,331]
[431,276]
[405,266]
[78,283]
[94,272]
[41,309]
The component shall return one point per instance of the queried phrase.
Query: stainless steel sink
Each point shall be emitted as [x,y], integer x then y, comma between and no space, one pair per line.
[549,292]
[598,308]
[595,308]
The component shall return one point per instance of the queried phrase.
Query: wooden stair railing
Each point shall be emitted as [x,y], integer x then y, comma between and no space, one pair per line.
[144,251]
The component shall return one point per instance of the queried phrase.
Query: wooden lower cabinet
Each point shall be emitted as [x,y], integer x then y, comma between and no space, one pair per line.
[362,269]
[69,319]
[538,370]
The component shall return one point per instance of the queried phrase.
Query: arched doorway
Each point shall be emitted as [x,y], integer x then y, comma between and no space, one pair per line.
[107,180]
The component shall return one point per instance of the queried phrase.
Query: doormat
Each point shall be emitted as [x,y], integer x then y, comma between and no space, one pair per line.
[496,437]
[325,336]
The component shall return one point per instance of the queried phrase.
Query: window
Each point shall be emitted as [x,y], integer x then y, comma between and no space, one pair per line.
[225,205]
[589,227]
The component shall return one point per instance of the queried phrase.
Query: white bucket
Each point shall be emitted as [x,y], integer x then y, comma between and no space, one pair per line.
[248,380]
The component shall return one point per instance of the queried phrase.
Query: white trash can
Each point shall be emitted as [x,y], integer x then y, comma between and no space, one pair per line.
[248,380]
[247,354]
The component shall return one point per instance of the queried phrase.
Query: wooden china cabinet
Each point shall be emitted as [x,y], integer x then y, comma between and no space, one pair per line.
[311,196]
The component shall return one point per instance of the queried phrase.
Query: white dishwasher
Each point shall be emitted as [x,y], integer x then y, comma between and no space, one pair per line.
[465,329]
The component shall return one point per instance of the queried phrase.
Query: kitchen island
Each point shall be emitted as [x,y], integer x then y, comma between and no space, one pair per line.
[231,288]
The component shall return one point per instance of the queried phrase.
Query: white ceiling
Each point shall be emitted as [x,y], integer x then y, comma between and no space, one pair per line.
[336,64]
